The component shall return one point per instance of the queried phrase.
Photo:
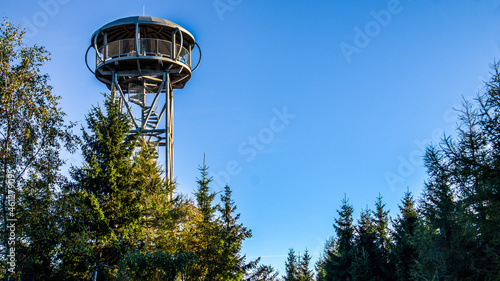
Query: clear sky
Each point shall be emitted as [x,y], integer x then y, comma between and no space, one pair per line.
[296,103]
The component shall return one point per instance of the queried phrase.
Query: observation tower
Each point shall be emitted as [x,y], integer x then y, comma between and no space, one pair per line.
[141,60]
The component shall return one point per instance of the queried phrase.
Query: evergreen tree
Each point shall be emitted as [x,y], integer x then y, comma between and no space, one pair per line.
[232,235]
[205,198]
[297,267]
[320,266]
[445,243]
[305,273]
[291,267]
[404,254]
[461,207]
[214,233]
[454,234]
[76,219]
[366,251]
[381,220]
[153,266]
[205,239]
[339,259]
[261,273]
[480,181]
[105,184]
[461,204]
[122,201]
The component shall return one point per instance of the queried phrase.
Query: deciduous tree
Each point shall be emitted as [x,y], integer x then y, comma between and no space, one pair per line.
[32,136]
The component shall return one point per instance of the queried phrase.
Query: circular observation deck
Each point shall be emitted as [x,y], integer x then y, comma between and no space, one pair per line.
[140,47]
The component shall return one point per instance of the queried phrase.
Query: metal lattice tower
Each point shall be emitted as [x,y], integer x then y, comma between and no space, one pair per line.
[141,60]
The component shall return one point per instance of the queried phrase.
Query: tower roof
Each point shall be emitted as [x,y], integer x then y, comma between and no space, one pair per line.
[142,20]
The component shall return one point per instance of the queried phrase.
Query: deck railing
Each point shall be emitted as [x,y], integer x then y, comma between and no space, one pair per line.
[147,47]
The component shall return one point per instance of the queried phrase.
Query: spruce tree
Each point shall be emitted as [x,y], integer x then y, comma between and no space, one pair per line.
[105,183]
[404,254]
[461,206]
[366,251]
[205,239]
[297,267]
[339,259]
[381,220]
[215,235]
[261,273]
[291,267]
[122,201]
[157,266]
[320,266]
[232,234]
[481,158]
[305,273]
[445,242]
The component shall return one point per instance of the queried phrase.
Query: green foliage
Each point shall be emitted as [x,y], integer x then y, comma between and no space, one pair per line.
[340,258]
[118,217]
[217,238]
[32,136]
[291,267]
[404,254]
[232,234]
[105,184]
[261,273]
[384,270]
[153,266]
[204,238]
[366,250]
[321,264]
[121,201]
[454,233]
[305,273]
[381,221]
[370,250]
[461,203]
[359,251]
[204,197]
[297,267]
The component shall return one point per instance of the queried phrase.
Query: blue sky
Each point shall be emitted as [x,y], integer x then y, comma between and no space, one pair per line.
[296,103]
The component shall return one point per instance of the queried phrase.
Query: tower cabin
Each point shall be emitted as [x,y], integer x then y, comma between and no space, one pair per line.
[143,46]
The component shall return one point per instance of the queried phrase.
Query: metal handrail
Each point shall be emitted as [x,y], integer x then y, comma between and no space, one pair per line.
[148,47]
